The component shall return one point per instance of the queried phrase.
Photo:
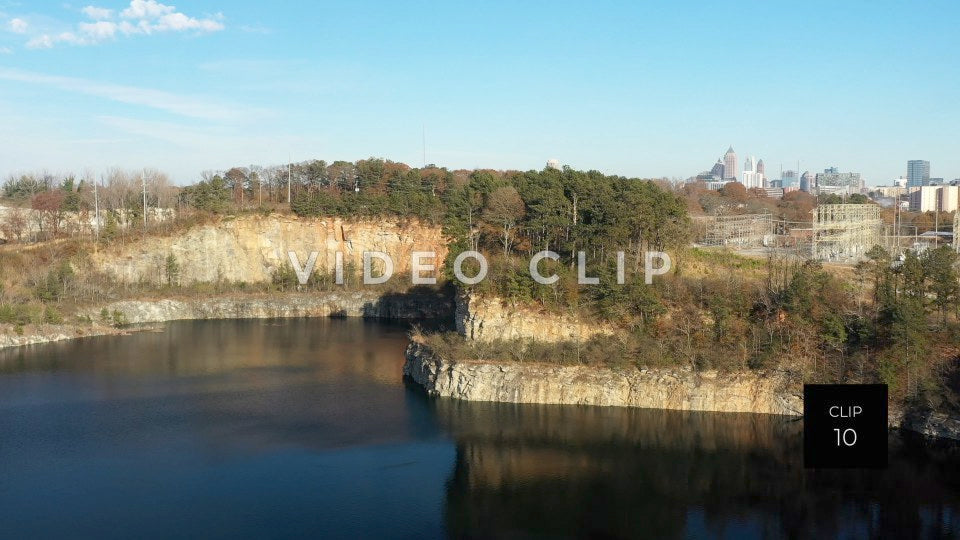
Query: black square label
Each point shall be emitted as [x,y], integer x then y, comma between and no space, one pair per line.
[844,425]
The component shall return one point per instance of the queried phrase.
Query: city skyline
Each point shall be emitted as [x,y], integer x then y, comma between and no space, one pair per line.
[210,85]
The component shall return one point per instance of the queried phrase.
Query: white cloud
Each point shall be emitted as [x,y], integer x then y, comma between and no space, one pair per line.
[97,13]
[146,9]
[187,106]
[99,30]
[142,17]
[178,22]
[47,41]
[6,50]
[43,41]
[18,26]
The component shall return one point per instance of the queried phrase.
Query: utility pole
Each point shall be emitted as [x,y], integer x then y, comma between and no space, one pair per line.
[288,183]
[424,146]
[143,182]
[96,210]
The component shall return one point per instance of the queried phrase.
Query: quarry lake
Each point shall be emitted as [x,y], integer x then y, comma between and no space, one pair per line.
[305,427]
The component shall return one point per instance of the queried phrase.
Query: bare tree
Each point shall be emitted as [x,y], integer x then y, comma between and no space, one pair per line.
[504,208]
[14,224]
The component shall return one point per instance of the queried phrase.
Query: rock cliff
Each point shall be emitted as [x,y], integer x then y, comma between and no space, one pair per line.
[583,385]
[489,318]
[332,304]
[250,248]
[369,304]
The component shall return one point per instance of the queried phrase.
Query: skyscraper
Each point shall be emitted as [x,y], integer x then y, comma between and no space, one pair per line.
[918,173]
[788,178]
[730,165]
[806,181]
[717,169]
[761,174]
[749,177]
[833,181]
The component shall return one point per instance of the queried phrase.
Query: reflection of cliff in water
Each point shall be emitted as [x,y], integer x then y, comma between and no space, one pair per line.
[189,348]
[234,384]
[562,471]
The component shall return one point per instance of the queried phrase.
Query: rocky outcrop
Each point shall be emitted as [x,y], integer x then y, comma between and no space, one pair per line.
[932,425]
[583,385]
[485,318]
[250,248]
[333,304]
[46,333]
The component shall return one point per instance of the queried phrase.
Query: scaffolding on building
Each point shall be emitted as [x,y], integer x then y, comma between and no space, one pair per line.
[742,231]
[844,232]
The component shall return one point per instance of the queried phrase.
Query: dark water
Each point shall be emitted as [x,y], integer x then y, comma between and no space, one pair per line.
[303,428]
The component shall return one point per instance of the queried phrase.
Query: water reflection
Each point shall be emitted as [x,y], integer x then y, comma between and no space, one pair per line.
[305,428]
[628,473]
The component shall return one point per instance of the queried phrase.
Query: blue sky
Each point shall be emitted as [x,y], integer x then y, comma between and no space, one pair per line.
[639,89]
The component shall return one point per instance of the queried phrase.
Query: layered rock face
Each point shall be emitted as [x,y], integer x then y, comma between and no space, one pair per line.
[333,304]
[250,248]
[488,319]
[409,306]
[583,385]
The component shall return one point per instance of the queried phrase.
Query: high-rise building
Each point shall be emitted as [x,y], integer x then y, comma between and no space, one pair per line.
[833,181]
[730,165]
[762,173]
[788,178]
[806,181]
[935,199]
[749,177]
[918,173]
[717,169]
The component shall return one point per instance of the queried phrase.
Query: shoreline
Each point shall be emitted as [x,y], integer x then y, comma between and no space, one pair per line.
[511,382]
[370,305]
[666,388]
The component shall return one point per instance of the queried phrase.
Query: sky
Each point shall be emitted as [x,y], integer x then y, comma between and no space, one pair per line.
[631,88]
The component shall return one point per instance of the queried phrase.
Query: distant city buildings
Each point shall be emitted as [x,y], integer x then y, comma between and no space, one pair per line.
[788,179]
[730,165]
[935,199]
[750,178]
[752,174]
[918,173]
[717,170]
[833,181]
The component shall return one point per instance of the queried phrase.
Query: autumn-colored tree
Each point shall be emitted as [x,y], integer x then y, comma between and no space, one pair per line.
[236,180]
[735,191]
[49,207]
[504,208]
[14,224]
